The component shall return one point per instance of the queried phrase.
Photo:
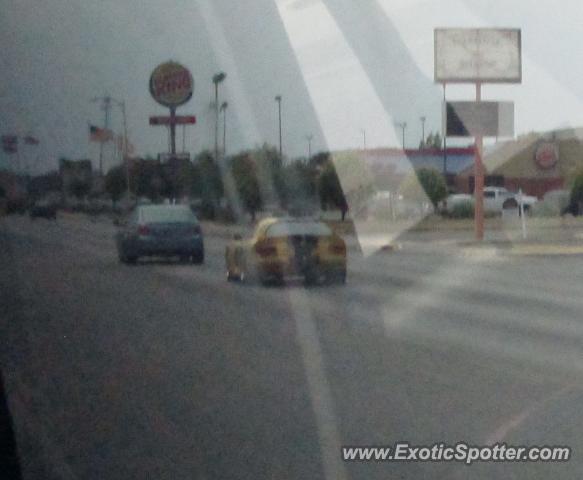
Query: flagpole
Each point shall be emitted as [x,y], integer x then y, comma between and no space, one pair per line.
[105,105]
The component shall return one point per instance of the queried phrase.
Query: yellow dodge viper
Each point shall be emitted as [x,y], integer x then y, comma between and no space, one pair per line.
[283,247]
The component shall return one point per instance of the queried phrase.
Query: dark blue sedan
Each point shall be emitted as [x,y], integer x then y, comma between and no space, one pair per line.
[160,230]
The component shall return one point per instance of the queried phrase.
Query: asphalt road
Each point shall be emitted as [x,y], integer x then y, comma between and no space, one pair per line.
[166,371]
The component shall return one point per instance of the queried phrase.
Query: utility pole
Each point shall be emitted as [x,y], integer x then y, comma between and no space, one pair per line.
[309,139]
[126,159]
[278,100]
[105,106]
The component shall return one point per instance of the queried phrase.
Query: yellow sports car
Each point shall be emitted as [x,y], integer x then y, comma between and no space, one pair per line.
[282,247]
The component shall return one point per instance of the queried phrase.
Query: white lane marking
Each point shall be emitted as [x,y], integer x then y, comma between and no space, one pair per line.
[320,394]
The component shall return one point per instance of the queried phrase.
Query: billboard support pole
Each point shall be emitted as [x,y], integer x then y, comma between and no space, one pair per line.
[479,178]
[444,138]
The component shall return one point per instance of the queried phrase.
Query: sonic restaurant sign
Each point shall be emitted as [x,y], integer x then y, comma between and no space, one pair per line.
[546,155]
[171,84]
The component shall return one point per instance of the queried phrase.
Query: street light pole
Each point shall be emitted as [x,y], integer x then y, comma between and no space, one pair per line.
[423,130]
[403,126]
[309,139]
[278,100]
[363,131]
[224,110]
[217,78]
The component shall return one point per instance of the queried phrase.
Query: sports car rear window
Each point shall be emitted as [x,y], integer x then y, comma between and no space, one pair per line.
[303,228]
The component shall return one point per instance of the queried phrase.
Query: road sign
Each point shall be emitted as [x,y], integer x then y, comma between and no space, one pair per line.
[171,84]
[471,55]
[472,119]
[176,120]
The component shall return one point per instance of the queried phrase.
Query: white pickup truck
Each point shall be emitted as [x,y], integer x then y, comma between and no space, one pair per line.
[495,199]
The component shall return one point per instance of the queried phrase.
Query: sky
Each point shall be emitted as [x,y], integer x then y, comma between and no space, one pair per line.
[345,69]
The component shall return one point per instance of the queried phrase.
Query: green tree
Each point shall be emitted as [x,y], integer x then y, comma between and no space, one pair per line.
[319,160]
[298,189]
[433,140]
[147,179]
[207,183]
[245,174]
[41,185]
[330,189]
[79,189]
[115,182]
[577,192]
[425,183]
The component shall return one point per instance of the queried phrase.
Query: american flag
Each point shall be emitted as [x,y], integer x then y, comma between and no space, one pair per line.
[9,143]
[30,140]
[101,135]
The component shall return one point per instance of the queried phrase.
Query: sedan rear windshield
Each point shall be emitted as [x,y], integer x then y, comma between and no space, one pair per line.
[298,228]
[163,214]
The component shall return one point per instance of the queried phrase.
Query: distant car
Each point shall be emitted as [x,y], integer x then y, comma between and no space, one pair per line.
[160,230]
[282,247]
[498,198]
[43,209]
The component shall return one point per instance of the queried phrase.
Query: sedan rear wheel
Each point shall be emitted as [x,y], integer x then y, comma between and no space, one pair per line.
[198,257]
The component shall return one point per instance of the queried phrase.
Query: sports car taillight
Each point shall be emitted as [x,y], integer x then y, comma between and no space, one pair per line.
[264,249]
[338,248]
[143,230]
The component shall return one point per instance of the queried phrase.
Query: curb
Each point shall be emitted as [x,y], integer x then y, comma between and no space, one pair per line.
[546,250]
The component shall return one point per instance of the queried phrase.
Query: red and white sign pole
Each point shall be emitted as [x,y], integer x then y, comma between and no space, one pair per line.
[479,178]
[172,131]
[477,55]
[171,85]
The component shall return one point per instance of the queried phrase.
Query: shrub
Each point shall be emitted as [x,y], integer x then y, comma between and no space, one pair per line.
[577,193]
[462,210]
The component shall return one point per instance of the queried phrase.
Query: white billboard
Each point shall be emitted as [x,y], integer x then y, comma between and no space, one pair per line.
[471,55]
